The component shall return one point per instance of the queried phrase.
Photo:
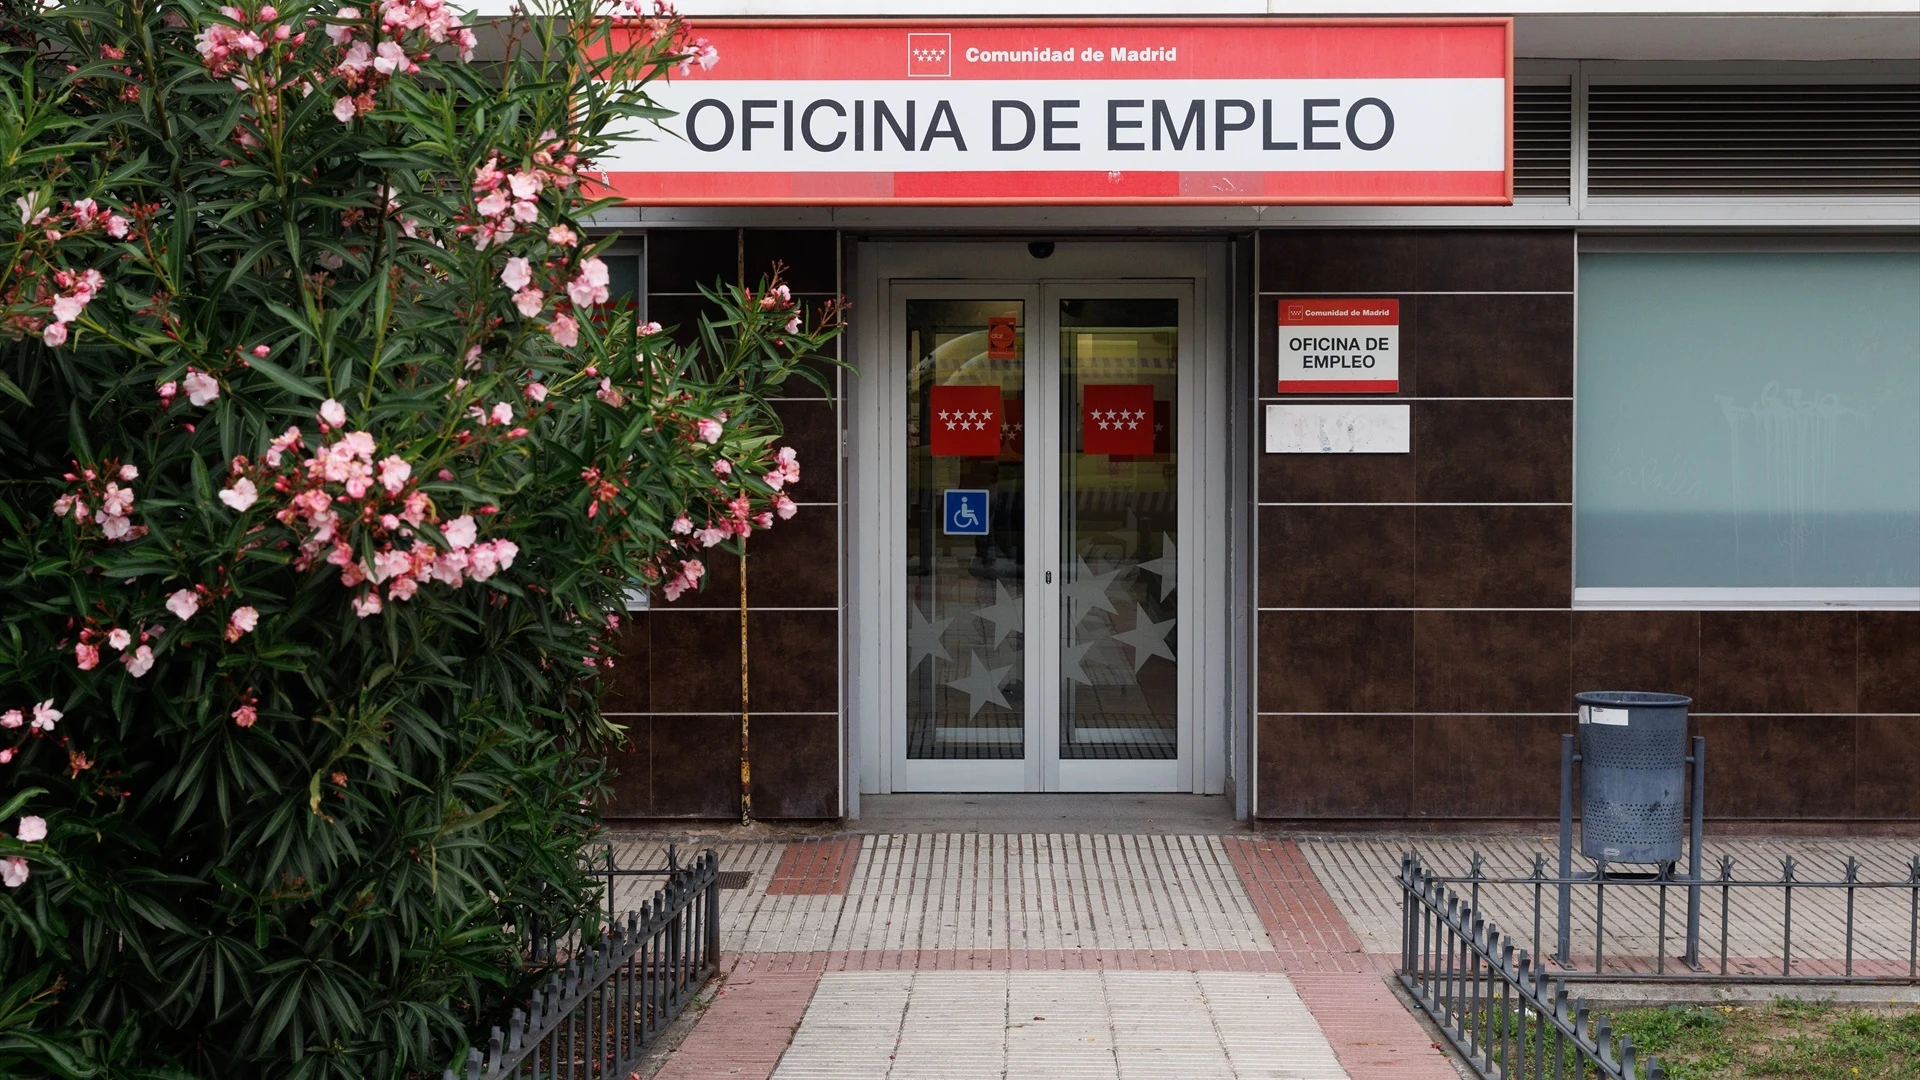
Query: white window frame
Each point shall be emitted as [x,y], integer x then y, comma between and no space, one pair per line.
[1721,598]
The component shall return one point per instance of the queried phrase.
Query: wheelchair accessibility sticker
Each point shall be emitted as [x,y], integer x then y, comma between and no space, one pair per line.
[966,512]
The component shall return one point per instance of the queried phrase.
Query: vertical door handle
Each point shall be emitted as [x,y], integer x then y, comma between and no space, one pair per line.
[1049,577]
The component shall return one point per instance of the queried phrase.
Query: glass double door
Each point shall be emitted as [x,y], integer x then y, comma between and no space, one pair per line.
[1043,523]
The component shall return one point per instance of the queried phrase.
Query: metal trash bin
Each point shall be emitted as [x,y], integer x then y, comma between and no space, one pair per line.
[1633,775]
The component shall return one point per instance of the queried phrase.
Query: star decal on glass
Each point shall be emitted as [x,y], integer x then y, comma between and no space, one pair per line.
[1147,639]
[1087,592]
[981,684]
[1007,613]
[1166,567]
[923,637]
[1073,660]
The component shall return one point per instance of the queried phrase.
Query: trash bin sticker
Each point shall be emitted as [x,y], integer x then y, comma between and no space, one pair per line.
[1594,714]
[965,512]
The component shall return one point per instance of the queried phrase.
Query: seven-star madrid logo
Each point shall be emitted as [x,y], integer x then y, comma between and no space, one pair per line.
[929,56]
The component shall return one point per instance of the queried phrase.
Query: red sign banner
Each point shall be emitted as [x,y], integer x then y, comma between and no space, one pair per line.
[964,421]
[1250,111]
[1339,346]
[1117,419]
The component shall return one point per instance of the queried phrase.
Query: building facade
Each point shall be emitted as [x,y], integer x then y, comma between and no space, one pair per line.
[1327,503]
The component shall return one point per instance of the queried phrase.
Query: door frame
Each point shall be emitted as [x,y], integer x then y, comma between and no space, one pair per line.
[876,476]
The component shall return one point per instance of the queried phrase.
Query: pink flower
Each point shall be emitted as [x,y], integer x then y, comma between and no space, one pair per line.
[774,479]
[391,563]
[200,387]
[682,525]
[610,394]
[708,430]
[536,392]
[13,871]
[565,331]
[394,473]
[119,639]
[589,287]
[502,413]
[793,325]
[245,715]
[166,390]
[415,511]
[369,604]
[128,472]
[390,57]
[184,603]
[562,236]
[722,467]
[12,718]
[529,301]
[114,526]
[116,226]
[710,536]
[494,204]
[789,464]
[525,185]
[460,532]
[6,755]
[262,351]
[450,568]
[526,213]
[403,588]
[784,506]
[648,329]
[116,499]
[344,108]
[55,335]
[242,621]
[481,562]
[86,657]
[45,716]
[517,275]
[763,520]
[240,494]
[331,413]
[139,661]
[504,552]
[32,829]
[280,444]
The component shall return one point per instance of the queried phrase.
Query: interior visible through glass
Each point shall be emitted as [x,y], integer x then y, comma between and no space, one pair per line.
[966,530]
[1119,505]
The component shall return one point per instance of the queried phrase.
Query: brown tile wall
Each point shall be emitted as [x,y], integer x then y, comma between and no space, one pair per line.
[676,686]
[1417,650]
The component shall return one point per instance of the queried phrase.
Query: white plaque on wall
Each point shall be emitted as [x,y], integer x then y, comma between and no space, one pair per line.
[1339,429]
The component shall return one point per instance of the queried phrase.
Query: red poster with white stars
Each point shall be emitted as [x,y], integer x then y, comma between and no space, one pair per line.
[964,421]
[1117,419]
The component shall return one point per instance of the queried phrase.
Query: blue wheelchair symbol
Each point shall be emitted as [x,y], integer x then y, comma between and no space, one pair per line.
[966,512]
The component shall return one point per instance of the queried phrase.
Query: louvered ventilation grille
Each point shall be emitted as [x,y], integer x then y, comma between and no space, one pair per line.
[1542,142]
[1854,139]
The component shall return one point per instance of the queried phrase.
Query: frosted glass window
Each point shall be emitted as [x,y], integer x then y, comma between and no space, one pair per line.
[1748,421]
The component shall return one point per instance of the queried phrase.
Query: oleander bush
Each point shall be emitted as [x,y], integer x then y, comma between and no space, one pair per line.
[325,466]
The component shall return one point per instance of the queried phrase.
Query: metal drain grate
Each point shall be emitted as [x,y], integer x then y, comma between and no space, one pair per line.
[734,879]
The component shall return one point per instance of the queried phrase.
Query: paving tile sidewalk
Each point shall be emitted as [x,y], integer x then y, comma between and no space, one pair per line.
[1007,955]
[1360,874]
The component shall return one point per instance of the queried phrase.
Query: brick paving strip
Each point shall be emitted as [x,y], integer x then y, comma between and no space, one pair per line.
[815,867]
[1176,955]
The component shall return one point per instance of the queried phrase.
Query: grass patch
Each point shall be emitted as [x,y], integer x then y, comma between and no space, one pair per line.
[1785,1040]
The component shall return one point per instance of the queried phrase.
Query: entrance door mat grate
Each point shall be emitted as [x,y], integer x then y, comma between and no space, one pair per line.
[734,879]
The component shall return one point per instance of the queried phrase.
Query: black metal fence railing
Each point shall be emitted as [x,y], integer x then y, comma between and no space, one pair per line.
[1504,1015]
[609,999]
[1789,928]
